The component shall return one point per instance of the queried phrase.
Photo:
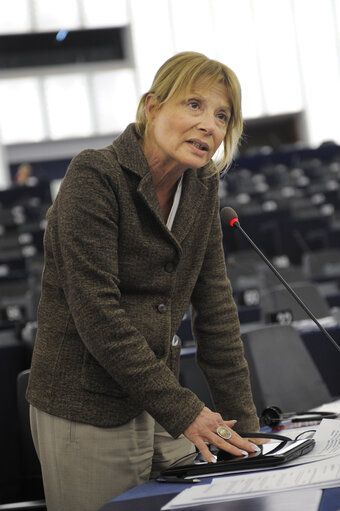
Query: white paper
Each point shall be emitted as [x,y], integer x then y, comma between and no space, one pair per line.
[327,438]
[323,474]
[327,442]
[311,500]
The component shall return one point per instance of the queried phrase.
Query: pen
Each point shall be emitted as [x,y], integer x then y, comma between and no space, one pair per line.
[177,480]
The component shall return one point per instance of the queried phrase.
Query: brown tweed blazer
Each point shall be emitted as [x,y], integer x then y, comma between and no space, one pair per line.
[115,286]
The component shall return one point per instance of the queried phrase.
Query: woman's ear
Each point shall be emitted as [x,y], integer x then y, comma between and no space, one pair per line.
[150,106]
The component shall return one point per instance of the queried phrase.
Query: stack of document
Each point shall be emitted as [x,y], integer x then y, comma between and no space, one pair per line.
[318,469]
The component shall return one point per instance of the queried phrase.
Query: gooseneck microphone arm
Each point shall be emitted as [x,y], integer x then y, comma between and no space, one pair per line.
[229,216]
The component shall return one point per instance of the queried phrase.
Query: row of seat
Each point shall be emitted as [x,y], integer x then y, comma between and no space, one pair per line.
[288,201]
[298,155]
[283,231]
[304,180]
[22,222]
[249,274]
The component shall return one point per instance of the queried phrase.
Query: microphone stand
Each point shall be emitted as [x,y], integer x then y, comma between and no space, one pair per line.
[236,223]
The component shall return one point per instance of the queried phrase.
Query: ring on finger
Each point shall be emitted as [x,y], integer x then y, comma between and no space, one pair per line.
[223,432]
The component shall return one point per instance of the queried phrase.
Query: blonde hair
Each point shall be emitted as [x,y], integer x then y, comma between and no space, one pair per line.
[180,74]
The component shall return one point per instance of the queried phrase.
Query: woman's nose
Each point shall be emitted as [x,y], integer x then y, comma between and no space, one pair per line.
[207,122]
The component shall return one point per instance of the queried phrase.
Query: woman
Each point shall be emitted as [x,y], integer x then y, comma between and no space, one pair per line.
[134,236]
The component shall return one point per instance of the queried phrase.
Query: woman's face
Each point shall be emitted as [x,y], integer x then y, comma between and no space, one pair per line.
[187,130]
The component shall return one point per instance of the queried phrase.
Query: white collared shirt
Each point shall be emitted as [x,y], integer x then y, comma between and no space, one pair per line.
[175,204]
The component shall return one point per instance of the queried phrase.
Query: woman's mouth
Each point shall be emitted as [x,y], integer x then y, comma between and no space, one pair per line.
[201,146]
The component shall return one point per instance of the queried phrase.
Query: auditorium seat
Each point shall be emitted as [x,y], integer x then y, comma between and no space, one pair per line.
[14,301]
[292,274]
[22,195]
[15,267]
[282,372]
[279,306]
[262,225]
[244,258]
[243,271]
[322,265]
[303,232]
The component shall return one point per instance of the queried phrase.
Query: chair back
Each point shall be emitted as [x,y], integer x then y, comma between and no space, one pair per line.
[279,306]
[282,372]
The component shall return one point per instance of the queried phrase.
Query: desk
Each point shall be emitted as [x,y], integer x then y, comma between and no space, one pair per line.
[152,496]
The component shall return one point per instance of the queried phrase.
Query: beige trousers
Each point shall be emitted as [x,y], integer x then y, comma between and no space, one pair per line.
[84,466]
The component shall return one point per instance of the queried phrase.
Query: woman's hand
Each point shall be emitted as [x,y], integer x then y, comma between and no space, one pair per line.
[203,429]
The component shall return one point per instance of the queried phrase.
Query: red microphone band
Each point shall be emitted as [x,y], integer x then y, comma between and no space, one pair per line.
[233,221]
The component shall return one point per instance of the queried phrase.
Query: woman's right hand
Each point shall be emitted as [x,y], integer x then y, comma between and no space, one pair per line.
[203,429]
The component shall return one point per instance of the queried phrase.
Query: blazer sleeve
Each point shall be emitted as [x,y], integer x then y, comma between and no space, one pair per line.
[216,329]
[85,249]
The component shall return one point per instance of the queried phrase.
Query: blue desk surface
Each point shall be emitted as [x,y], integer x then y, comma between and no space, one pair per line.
[152,496]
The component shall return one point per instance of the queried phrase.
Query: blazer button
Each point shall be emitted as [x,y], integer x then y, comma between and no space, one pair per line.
[161,308]
[169,267]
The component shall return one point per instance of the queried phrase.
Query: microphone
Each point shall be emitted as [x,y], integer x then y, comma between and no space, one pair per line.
[273,416]
[229,216]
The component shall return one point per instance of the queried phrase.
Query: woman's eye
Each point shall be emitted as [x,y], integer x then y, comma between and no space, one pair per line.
[194,105]
[223,117]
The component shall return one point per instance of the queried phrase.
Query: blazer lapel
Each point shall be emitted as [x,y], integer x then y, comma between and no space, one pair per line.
[194,193]
[147,192]
[131,157]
